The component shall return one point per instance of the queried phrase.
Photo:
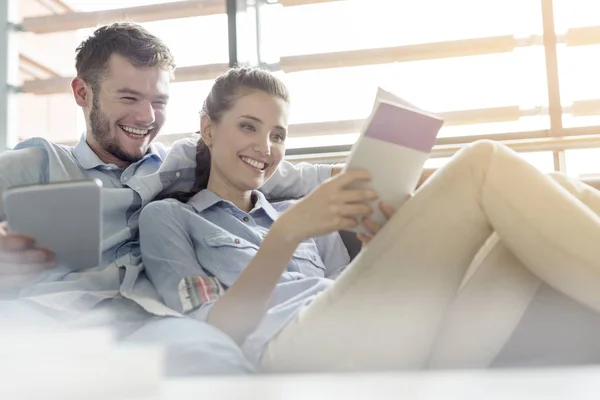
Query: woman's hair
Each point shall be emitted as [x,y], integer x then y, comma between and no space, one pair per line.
[225,91]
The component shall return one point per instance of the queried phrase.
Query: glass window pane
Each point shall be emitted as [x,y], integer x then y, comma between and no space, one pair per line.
[578,73]
[570,121]
[542,160]
[320,141]
[55,117]
[435,85]
[360,24]
[190,52]
[575,13]
[583,162]
[98,5]
[525,124]
[185,103]
[436,162]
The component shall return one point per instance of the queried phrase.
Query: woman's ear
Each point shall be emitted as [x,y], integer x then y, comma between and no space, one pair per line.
[206,128]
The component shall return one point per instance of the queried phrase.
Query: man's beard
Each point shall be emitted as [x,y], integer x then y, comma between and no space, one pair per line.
[100,130]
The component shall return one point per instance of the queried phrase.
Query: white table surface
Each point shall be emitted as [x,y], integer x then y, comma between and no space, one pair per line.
[576,383]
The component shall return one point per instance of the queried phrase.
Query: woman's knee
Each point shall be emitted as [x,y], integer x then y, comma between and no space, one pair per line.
[474,155]
[482,149]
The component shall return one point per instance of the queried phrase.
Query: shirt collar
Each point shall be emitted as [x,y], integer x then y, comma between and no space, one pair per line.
[89,160]
[262,202]
[205,199]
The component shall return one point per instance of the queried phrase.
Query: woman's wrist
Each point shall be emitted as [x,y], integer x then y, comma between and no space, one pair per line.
[285,232]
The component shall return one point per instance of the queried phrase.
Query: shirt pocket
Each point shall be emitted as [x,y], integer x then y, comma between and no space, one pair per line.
[306,260]
[230,256]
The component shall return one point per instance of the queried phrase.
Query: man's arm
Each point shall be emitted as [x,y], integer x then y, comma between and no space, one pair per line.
[20,259]
[292,181]
[26,166]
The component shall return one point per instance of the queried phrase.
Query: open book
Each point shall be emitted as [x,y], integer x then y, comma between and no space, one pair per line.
[393,146]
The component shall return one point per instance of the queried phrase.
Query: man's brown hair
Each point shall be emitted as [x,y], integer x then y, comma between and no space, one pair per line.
[128,39]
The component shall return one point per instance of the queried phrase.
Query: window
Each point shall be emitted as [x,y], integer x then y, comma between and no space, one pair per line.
[184,107]
[193,41]
[364,24]
[542,160]
[505,76]
[483,65]
[583,162]
[498,85]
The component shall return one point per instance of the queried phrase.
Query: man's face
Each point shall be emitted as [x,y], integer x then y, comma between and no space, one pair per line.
[127,111]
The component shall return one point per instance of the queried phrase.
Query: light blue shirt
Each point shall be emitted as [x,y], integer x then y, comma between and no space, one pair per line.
[193,252]
[125,192]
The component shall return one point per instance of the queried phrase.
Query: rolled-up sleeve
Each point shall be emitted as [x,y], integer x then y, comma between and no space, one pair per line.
[292,181]
[171,263]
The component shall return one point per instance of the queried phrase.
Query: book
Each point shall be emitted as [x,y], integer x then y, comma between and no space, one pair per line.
[394,143]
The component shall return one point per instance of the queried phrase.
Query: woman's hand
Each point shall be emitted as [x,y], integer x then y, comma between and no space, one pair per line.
[372,226]
[330,207]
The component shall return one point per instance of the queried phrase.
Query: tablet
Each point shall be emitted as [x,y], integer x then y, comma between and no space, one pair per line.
[65,217]
[393,146]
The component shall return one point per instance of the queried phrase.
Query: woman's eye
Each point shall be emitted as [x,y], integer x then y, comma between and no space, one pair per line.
[279,138]
[248,127]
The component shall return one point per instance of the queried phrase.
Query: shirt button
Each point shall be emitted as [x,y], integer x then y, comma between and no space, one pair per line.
[245,219]
[177,174]
[236,241]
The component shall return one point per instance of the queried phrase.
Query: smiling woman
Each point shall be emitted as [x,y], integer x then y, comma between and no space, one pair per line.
[234,155]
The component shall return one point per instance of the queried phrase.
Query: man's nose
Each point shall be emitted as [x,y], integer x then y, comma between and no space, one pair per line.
[145,113]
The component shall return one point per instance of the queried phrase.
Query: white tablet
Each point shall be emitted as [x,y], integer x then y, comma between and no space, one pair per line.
[65,217]
[394,144]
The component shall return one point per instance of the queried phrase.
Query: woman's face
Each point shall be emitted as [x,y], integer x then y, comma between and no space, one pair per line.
[248,142]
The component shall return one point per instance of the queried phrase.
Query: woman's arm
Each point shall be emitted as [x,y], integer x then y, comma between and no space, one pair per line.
[328,209]
[170,260]
[239,311]
[172,265]
[293,181]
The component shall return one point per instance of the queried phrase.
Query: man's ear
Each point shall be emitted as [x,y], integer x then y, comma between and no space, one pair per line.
[82,92]
[206,130]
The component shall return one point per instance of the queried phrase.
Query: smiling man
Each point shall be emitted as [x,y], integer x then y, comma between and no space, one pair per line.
[122,86]
[124,101]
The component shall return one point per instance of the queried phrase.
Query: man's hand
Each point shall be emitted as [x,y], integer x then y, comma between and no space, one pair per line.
[20,259]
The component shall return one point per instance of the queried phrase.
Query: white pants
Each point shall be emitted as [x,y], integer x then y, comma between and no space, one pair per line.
[409,299]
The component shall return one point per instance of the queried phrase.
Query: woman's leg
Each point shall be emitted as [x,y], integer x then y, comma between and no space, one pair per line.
[385,310]
[501,307]
[490,304]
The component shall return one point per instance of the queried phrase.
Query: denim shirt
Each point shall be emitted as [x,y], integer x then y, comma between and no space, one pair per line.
[125,192]
[193,252]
